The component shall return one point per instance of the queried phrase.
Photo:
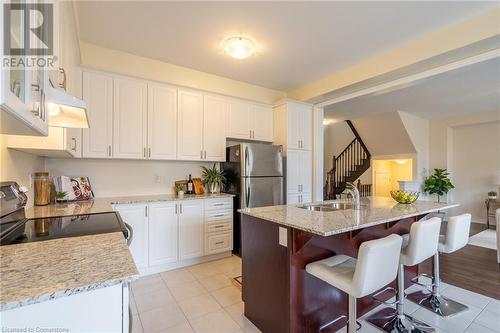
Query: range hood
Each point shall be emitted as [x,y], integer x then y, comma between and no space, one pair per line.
[66,110]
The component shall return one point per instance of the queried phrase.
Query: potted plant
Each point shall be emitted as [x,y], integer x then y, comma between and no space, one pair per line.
[492,195]
[438,183]
[213,178]
[179,191]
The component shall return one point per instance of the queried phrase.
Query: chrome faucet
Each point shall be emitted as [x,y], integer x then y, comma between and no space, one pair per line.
[353,191]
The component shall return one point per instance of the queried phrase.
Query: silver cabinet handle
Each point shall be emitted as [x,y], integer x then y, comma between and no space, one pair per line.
[218,243]
[74,144]
[201,154]
[144,152]
[250,134]
[175,209]
[146,210]
[180,208]
[149,152]
[219,215]
[205,154]
[219,226]
[63,83]
[219,204]
[109,150]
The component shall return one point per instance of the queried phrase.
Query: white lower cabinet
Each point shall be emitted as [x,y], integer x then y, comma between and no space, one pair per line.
[136,215]
[163,233]
[100,310]
[190,229]
[172,234]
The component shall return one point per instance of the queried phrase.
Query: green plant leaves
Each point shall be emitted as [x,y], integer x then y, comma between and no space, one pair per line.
[213,176]
[438,183]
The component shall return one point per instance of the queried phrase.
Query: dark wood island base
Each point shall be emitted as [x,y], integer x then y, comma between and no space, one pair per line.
[280,296]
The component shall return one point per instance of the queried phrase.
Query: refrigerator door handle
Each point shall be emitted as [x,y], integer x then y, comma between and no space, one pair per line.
[246,160]
[247,194]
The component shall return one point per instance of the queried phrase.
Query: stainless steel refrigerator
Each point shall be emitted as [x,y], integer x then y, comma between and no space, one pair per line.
[255,175]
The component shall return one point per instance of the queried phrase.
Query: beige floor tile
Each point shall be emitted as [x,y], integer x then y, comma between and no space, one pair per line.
[186,290]
[162,318]
[133,306]
[148,284]
[215,322]
[136,324]
[234,273]
[198,306]
[215,282]
[177,276]
[182,328]
[228,265]
[204,270]
[236,312]
[227,296]
[152,300]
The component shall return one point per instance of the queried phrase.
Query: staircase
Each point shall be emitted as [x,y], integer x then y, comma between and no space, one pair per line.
[352,162]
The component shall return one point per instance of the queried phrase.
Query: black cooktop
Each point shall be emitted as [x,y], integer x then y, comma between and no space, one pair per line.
[35,230]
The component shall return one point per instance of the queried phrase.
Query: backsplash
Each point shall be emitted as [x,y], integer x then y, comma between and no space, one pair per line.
[126,177]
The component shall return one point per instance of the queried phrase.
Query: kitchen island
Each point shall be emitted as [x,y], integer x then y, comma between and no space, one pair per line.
[279,241]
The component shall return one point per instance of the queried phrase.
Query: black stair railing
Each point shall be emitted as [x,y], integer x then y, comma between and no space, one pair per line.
[351,163]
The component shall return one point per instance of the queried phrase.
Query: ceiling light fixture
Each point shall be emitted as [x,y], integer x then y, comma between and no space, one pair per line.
[239,47]
[401,161]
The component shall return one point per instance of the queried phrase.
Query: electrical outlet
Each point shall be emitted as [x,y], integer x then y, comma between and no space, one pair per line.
[158,178]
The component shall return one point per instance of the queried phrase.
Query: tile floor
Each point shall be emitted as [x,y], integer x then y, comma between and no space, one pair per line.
[202,299]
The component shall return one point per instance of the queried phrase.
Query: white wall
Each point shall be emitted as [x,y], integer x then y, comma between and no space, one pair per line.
[469,147]
[126,177]
[18,166]
[336,138]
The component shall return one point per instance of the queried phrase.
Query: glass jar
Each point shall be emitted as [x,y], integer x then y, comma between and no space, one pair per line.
[42,188]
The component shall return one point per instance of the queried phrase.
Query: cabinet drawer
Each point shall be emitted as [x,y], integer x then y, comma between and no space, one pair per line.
[218,242]
[217,215]
[218,204]
[220,226]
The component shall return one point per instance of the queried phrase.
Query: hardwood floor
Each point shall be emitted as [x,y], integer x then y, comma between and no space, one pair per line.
[472,267]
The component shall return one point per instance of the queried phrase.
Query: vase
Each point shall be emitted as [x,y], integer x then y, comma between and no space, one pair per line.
[214,188]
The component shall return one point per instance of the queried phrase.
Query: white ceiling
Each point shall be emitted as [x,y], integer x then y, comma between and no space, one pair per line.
[473,88]
[302,41]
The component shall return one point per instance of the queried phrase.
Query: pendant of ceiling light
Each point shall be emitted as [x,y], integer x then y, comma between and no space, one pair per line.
[239,47]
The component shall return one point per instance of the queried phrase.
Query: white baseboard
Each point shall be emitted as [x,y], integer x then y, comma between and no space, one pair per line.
[182,263]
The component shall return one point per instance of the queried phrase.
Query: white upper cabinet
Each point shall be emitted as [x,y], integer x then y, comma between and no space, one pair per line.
[262,122]
[190,125]
[129,114]
[98,94]
[163,229]
[249,121]
[214,125]
[162,122]
[190,229]
[298,118]
[238,120]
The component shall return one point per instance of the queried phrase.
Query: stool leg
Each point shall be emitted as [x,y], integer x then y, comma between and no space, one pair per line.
[351,324]
[433,301]
[399,322]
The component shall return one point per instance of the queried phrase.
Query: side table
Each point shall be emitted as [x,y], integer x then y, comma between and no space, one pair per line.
[491,207]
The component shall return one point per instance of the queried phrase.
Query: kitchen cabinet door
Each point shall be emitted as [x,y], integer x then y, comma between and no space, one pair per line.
[162,122]
[292,198]
[238,120]
[136,215]
[293,171]
[305,128]
[214,127]
[262,123]
[98,94]
[129,118]
[163,230]
[190,126]
[305,171]
[190,229]
[293,115]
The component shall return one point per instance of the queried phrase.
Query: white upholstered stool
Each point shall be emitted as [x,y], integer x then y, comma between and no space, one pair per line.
[456,237]
[376,266]
[420,244]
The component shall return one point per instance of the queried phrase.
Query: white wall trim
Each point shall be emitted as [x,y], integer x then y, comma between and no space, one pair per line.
[318,152]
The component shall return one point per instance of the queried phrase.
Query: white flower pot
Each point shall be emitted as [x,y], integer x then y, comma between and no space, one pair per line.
[214,188]
[180,194]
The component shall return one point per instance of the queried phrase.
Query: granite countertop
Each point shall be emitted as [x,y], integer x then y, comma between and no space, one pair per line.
[104,205]
[39,271]
[374,210]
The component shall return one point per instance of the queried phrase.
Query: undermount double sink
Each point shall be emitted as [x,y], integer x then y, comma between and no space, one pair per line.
[328,207]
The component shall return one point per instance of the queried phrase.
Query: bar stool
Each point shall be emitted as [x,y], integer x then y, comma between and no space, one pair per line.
[456,237]
[376,266]
[420,244]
